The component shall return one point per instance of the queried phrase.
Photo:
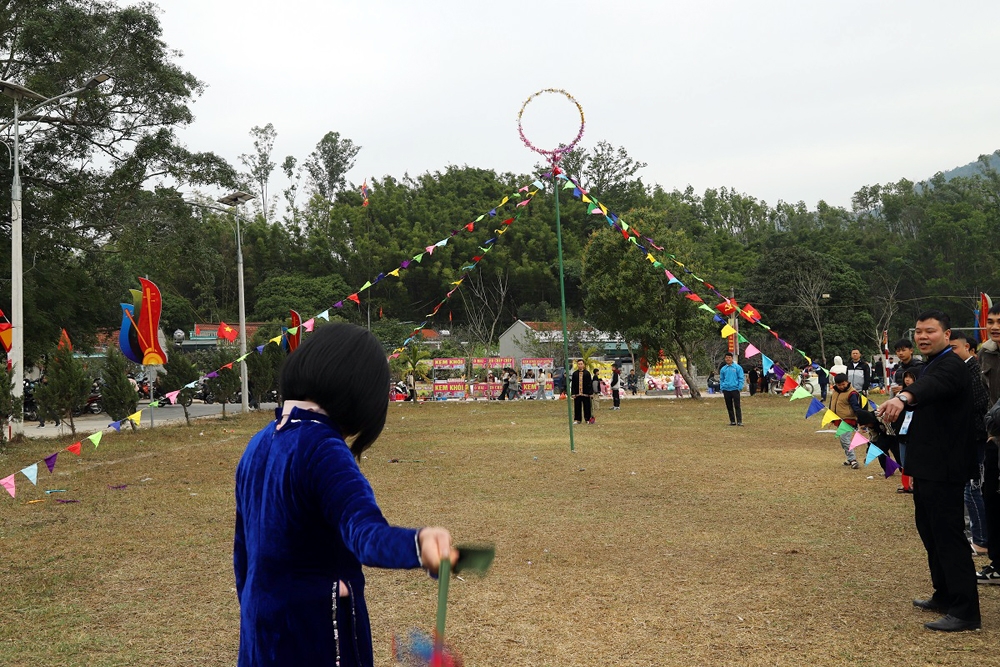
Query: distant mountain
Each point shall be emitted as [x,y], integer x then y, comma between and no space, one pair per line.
[971,169]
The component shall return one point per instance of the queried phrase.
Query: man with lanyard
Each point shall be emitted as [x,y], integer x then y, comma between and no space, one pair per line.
[941,459]
[731,383]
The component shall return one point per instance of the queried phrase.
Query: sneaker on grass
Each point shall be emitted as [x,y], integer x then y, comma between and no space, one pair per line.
[988,575]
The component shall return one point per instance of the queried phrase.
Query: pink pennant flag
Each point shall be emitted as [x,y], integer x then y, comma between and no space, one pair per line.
[172,396]
[308,324]
[523,203]
[858,440]
[750,351]
[8,483]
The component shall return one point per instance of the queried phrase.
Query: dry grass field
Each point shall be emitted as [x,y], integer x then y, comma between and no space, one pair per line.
[667,538]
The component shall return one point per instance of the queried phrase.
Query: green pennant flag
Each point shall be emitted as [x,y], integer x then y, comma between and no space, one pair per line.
[800,392]
[844,428]
[659,265]
[568,185]
[480,218]
[293,331]
[740,337]
[632,239]
[365,286]
[591,207]
[417,258]
[706,308]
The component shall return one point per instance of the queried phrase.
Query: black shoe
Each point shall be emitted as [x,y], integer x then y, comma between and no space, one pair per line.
[732,423]
[951,623]
[930,604]
[902,490]
[739,423]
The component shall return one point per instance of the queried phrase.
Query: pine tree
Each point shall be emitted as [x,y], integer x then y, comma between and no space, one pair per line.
[68,385]
[227,380]
[118,395]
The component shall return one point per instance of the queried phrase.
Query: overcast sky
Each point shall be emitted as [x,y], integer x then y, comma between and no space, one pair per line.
[797,101]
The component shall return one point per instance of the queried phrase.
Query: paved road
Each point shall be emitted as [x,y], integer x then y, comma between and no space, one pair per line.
[88,423]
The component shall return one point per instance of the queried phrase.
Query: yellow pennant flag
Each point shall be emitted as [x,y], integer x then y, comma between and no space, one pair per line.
[585,199]
[727,331]
[135,417]
[864,401]
[458,282]
[394,273]
[650,258]
[276,339]
[504,201]
[604,209]
[828,417]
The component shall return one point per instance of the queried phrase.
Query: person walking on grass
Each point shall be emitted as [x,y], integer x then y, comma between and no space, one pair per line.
[845,402]
[731,382]
[582,389]
[941,457]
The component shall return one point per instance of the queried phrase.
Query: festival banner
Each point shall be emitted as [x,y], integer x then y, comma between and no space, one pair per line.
[537,362]
[445,389]
[449,363]
[486,389]
[529,388]
[500,362]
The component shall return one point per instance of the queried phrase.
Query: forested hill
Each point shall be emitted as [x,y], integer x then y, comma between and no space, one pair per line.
[972,169]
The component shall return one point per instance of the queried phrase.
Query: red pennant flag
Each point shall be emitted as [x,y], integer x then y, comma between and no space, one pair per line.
[64,341]
[75,448]
[354,298]
[789,385]
[750,314]
[693,297]
[508,221]
[226,332]
[471,226]
[229,366]
[727,307]
[380,312]
[624,234]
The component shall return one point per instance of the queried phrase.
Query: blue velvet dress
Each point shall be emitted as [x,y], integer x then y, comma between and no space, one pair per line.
[306,518]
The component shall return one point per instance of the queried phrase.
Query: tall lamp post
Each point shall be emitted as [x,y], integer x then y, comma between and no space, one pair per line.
[234,200]
[18,93]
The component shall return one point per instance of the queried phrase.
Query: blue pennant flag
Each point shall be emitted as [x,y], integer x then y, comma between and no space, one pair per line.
[814,407]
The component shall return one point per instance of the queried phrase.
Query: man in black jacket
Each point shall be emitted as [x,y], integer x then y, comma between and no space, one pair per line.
[941,458]
[581,388]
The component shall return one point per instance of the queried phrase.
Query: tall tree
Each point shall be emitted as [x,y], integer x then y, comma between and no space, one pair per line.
[67,386]
[260,166]
[328,165]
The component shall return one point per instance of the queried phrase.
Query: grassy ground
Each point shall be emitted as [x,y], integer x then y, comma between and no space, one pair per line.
[668,538]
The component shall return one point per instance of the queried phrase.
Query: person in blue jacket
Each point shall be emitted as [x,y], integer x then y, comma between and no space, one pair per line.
[306,518]
[731,383]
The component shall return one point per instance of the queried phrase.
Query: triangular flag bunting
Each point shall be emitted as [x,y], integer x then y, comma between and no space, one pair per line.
[844,428]
[873,453]
[727,331]
[31,472]
[325,315]
[135,417]
[95,438]
[790,385]
[800,392]
[857,440]
[308,324]
[814,407]
[8,483]
[50,461]
[74,448]
[890,467]
[354,298]
[766,363]
[750,351]
[828,417]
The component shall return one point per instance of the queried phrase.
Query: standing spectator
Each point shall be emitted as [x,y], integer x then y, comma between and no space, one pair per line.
[823,379]
[731,382]
[907,364]
[513,384]
[411,387]
[941,459]
[678,383]
[596,379]
[845,402]
[753,377]
[838,366]
[632,382]
[980,404]
[878,371]
[859,373]
[989,360]
[616,383]
[306,517]
[581,388]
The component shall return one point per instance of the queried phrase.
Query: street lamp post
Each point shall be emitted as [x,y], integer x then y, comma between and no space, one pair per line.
[19,93]
[234,200]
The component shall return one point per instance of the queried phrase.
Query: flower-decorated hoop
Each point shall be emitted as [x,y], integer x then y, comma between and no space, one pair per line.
[554,154]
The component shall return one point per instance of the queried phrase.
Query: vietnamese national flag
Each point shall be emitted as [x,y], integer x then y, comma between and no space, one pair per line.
[727,307]
[227,332]
[750,314]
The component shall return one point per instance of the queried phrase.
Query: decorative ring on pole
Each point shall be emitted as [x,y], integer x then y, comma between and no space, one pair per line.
[554,154]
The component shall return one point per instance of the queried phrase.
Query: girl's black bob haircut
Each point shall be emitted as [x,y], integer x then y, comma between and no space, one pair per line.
[343,369]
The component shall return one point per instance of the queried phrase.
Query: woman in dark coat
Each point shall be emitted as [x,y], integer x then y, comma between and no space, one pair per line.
[306,518]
